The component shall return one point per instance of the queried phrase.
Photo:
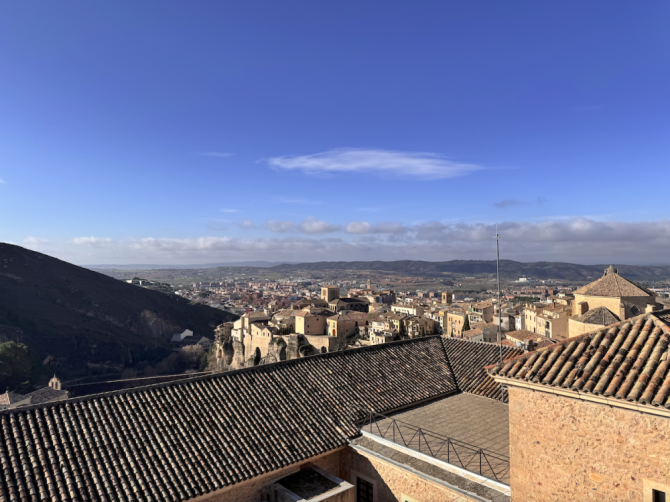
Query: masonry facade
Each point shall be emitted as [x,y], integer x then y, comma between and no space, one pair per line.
[590,416]
[563,448]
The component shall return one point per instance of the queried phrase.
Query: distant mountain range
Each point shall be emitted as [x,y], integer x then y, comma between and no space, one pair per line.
[258,264]
[76,318]
[510,270]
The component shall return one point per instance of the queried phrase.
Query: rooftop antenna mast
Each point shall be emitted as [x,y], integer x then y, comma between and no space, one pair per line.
[497,237]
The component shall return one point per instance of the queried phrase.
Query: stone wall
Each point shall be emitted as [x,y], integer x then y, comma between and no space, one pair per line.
[252,490]
[567,449]
[251,343]
[577,328]
[613,303]
[329,343]
[392,482]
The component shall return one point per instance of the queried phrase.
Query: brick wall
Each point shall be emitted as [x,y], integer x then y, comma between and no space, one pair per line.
[568,449]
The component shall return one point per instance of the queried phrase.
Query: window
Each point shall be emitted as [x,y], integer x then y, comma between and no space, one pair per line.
[657,496]
[364,491]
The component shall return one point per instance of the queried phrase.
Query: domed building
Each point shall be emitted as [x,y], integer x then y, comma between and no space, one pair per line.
[608,300]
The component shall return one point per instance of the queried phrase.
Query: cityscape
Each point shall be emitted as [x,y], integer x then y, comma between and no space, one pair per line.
[334,252]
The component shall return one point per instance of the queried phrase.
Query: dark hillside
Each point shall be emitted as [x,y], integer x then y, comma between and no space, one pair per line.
[86,321]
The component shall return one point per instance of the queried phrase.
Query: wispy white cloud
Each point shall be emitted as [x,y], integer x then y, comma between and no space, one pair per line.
[246,224]
[313,226]
[384,227]
[31,242]
[228,210]
[417,165]
[90,241]
[280,226]
[221,155]
[578,240]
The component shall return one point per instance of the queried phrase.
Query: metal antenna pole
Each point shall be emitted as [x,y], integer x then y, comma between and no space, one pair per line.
[499,303]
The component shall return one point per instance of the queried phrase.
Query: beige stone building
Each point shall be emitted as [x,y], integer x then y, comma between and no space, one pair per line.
[360,304]
[527,339]
[548,320]
[615,297]
[330,293]
[418,326]
[381,337]
[481,312]
[311,321]
[447,297]
[410,309]
[589,417]
[347,323]
[456,320]
[482,332]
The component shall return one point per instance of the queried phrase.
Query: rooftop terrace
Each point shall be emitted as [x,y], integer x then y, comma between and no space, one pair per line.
[465,430]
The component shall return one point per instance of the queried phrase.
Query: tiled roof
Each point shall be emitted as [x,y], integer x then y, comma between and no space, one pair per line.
[523,334]
[46,394]
[253,315]
[284,313]
[628,360]
[181,440]
[349,315]
[599,315]
[11,397]
[612,284]
[468,361]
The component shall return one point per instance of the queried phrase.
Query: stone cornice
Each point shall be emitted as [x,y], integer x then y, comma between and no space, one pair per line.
[583,396]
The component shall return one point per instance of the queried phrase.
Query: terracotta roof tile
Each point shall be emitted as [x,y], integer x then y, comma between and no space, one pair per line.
[468,361]
[612,284]
[182,440]
[628,360]
[599,315]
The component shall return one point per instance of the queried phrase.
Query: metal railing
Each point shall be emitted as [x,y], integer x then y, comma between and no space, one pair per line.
[485,462]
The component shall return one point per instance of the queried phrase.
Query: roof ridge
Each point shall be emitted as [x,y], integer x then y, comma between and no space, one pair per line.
[251,369]
[451,369]
[630,320]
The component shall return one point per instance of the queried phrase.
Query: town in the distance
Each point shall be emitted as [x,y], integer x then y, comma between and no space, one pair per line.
[304,314]
[312,382]
[345,251]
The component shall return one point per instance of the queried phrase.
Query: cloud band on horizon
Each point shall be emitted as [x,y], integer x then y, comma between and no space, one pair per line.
[576,240]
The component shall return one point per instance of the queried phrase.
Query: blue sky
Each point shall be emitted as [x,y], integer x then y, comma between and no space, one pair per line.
[200,132]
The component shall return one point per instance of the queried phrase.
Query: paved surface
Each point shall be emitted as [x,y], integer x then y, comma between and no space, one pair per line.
[472,423]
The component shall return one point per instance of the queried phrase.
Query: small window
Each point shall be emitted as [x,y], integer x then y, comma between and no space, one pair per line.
[657,496]
[364,491]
